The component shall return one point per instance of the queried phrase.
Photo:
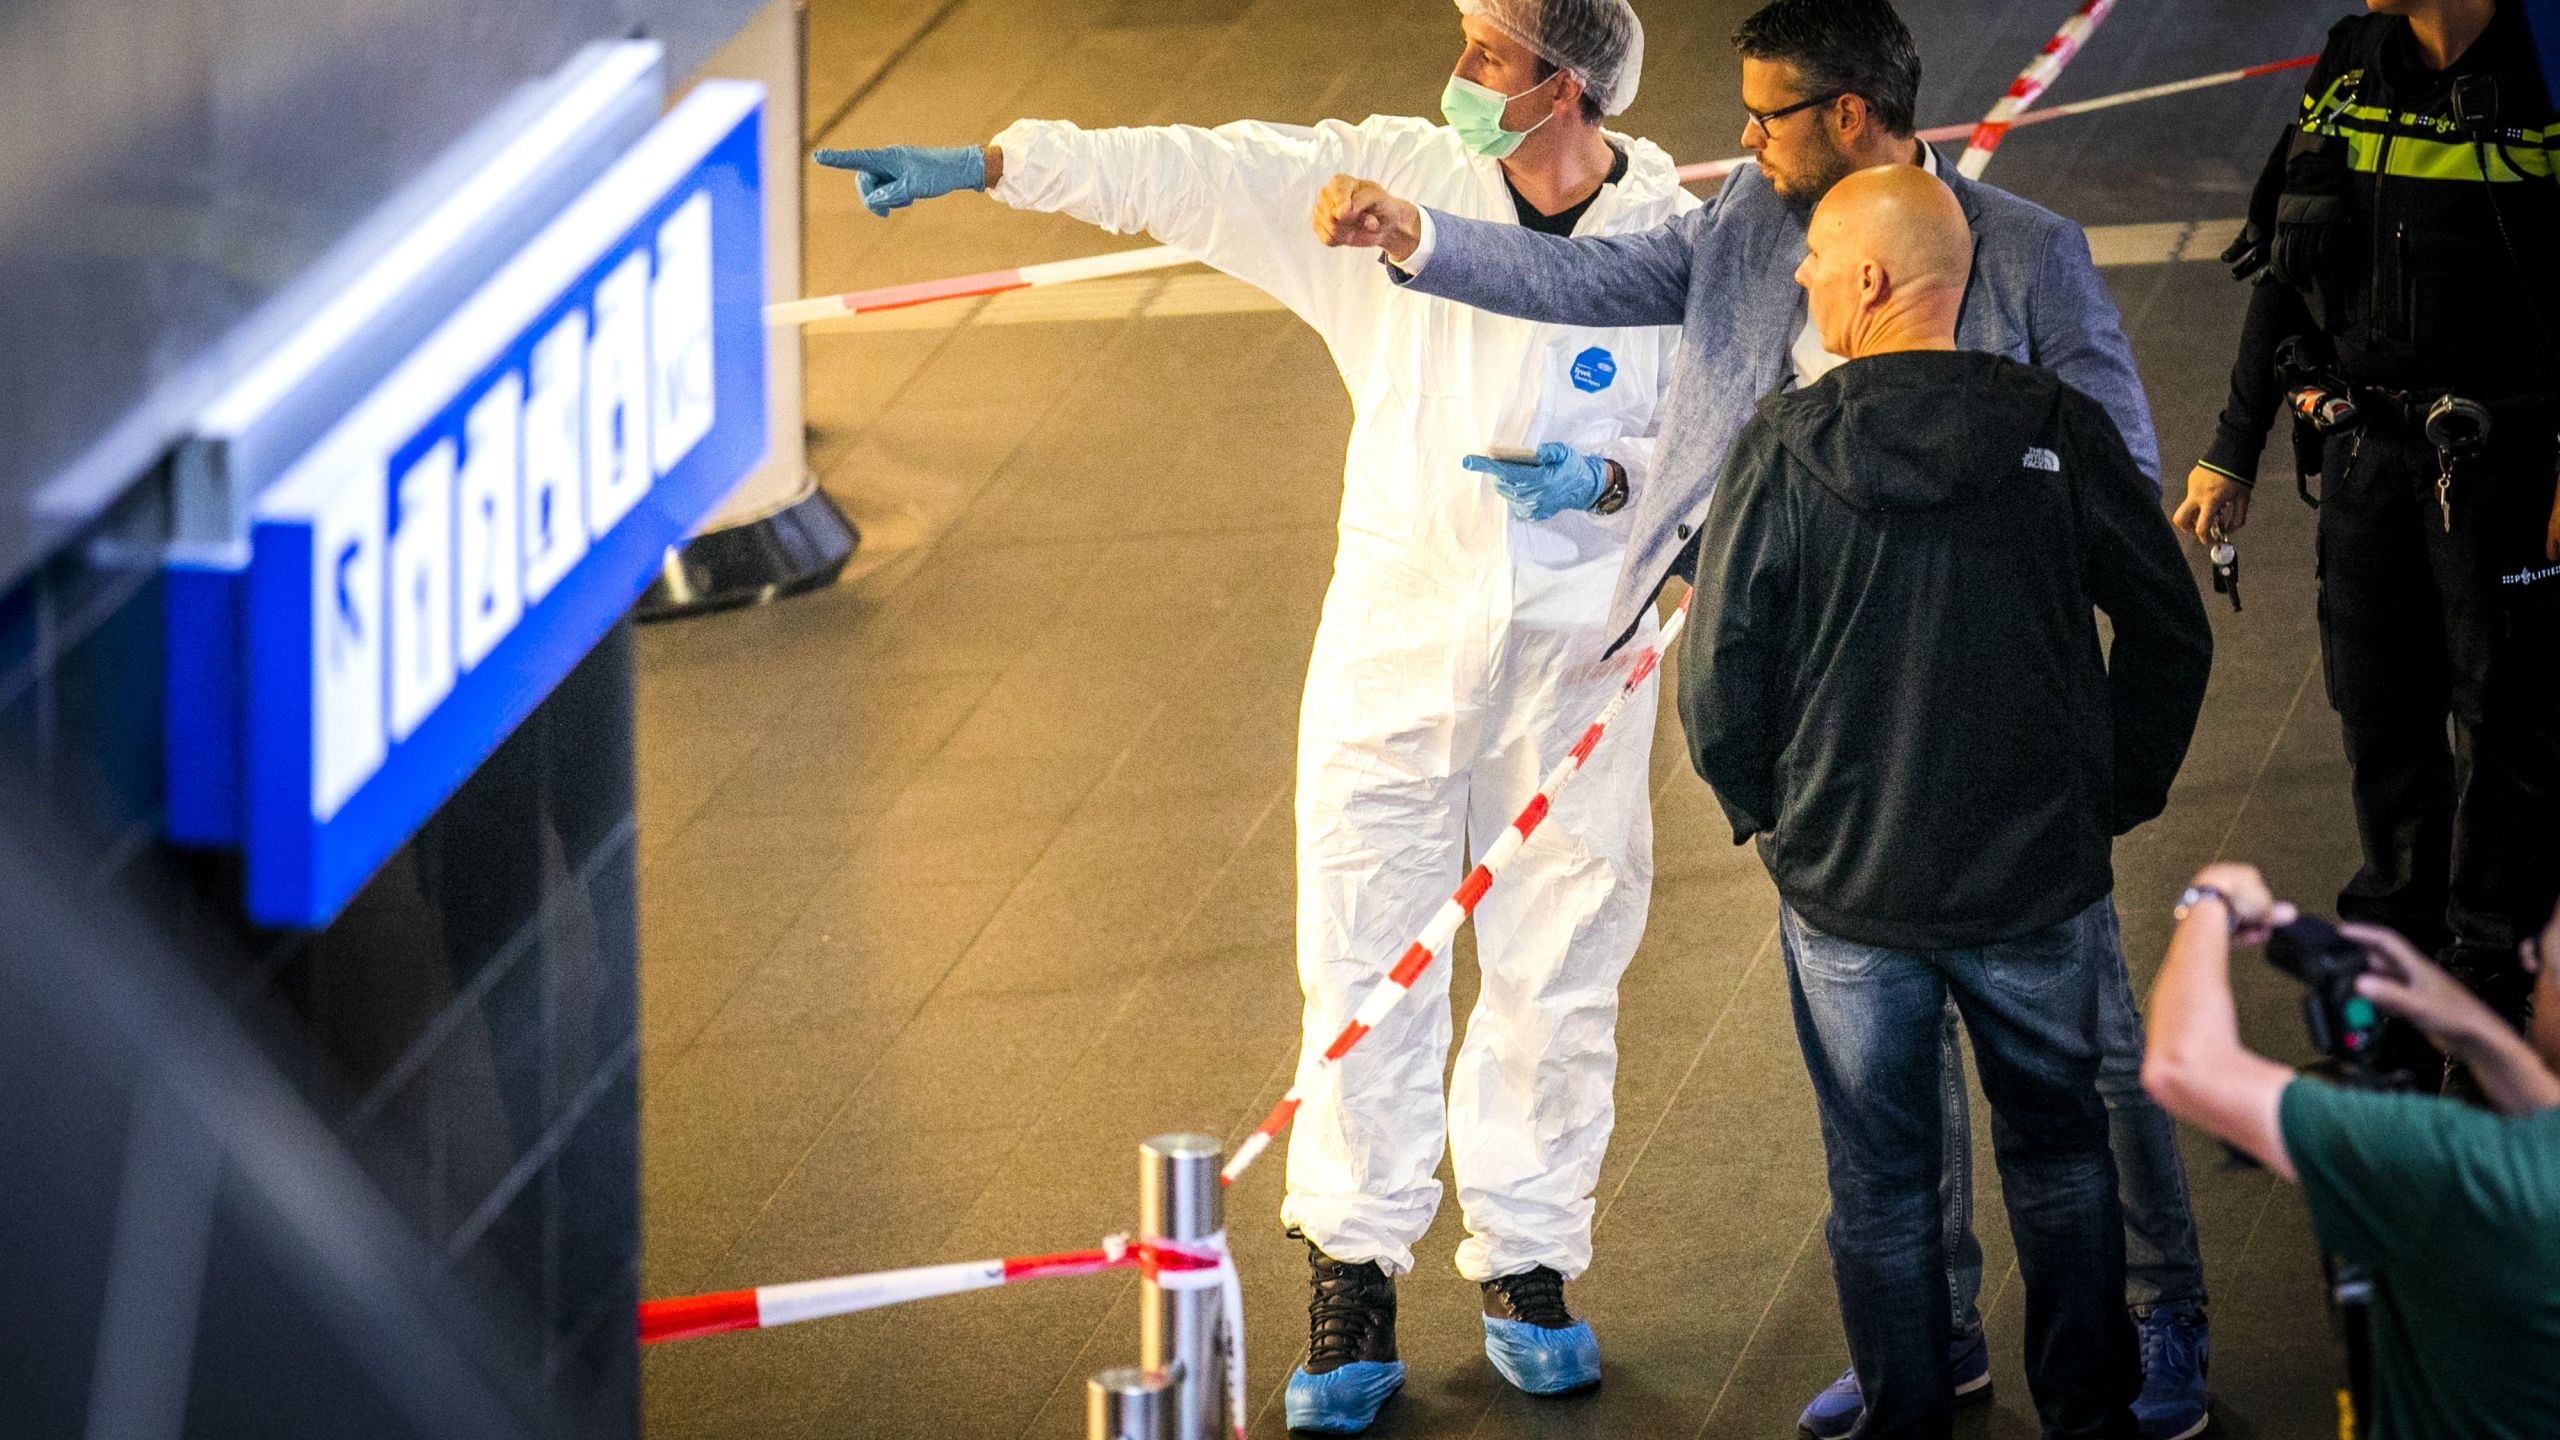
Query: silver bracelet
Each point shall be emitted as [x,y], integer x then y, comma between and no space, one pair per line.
[2197,894]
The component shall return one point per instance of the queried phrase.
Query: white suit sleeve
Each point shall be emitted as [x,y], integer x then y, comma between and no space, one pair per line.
[1236,197]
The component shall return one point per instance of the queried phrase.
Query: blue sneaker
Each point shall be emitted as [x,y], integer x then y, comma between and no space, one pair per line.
[1835,1411]
[2175,1356]
[1533,1339]
[1351,1364]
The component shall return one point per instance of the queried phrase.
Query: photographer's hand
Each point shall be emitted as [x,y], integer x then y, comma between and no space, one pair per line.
[2408,985]
[2194,1064]
[2255,910]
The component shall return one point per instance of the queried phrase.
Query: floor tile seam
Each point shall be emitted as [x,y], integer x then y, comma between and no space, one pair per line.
[1129,999]
[1076,1367]
[2068,166]
[1065,389]
[1744,1354]
[2139,317]
[2258,1221]
[880,1057]
[1218,529]
[2266,761]
[1104,782]
[693,813]
[2008,1273]
[879,75]
[940,983]
[924,552]
[808,900]
[1759,955]
[1173,936]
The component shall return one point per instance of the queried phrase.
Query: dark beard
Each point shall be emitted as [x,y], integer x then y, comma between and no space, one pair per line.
[1836,167]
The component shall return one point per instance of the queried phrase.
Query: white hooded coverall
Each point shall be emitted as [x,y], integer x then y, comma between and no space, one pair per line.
[1459,654]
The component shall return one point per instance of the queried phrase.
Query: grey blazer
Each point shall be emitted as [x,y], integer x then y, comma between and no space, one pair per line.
[1725,274]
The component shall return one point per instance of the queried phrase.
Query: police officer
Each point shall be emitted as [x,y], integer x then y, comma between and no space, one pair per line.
[2406,243]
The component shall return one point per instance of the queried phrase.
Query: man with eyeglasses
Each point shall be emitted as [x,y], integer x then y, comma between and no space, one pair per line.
[1830,87]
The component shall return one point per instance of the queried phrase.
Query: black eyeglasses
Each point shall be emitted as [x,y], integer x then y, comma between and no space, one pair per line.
[1763,121]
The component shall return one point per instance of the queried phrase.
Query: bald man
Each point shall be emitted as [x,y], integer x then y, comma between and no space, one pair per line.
[1894,682]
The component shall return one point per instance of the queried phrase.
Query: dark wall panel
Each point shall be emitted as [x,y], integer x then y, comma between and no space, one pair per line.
[467,1031]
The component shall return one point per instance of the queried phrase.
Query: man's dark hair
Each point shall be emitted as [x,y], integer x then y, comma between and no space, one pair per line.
[1590,108]
[1856,47]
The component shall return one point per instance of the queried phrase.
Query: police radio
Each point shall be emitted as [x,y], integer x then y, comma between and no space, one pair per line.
[2475,106]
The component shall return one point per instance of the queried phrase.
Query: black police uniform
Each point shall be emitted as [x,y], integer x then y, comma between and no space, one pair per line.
[2409,228]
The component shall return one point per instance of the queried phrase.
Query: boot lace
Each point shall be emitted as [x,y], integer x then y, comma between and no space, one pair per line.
[1536,1296]
[1349,1302]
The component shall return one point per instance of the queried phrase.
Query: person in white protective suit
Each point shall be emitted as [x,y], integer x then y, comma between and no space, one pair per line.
[1461,650]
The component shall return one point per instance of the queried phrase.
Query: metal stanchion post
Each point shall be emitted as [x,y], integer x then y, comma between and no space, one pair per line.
[1180,1201]
[1129,1404]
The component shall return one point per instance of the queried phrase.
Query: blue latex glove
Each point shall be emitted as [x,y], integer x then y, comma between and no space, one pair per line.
[897,176]
[1563,479]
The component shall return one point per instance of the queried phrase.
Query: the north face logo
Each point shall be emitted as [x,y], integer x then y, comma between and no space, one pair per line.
[2039,458]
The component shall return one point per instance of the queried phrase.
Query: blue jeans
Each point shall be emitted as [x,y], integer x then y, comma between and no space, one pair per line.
[1868,1019]
[2162,1265]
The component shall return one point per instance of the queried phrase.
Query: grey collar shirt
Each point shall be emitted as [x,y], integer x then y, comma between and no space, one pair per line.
[1725,274]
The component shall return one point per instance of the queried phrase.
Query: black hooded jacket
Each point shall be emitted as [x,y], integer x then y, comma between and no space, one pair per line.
[1893,676]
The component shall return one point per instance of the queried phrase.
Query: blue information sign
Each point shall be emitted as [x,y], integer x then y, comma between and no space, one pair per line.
[445,555]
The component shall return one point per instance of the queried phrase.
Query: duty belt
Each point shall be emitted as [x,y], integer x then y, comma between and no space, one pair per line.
[2407,409]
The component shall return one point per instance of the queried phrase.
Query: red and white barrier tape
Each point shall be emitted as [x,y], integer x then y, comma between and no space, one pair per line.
[1164,257]
[1443,928]
[964,287]
[1718,169]
[1230,1313]
[1205,1265]
[767,1306]
[2031,83]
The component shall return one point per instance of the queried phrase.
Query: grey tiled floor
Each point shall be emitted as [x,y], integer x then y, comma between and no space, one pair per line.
[962,877]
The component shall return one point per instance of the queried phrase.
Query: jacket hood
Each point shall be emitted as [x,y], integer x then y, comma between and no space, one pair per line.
[1920,429]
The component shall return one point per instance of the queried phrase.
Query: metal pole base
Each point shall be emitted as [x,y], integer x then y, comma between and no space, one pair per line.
[802,546]
[1129,1404]
[1179,1331]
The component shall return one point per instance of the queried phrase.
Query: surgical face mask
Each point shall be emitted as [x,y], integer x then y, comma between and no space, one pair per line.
[1475,112]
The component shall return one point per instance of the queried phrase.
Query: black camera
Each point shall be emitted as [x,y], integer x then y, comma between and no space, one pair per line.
[2344,1025]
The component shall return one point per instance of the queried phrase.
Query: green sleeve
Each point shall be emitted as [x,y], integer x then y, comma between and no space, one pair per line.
[2386,1175]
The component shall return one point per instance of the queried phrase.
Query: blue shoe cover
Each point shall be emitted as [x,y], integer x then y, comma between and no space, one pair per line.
[1341,1401]
[1542,1361]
